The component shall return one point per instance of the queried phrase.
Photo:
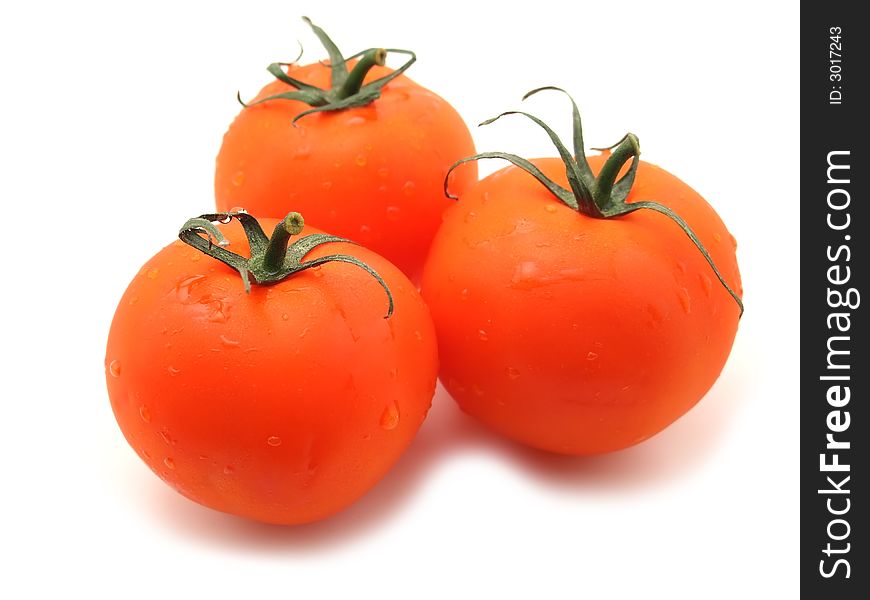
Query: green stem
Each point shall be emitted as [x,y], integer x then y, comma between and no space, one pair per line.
[627,149]
[354,81]
[276,250]
[271,260]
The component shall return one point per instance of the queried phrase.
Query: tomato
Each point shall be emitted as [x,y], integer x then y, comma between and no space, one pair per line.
[372,172]
[283,404]
[574,333]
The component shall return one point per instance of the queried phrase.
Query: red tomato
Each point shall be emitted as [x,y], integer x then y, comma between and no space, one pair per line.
[577,334]
[372,172]
[284,404]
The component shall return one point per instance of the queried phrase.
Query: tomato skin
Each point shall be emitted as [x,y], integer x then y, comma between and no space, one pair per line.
[372,174]
[572,334]
[284,405]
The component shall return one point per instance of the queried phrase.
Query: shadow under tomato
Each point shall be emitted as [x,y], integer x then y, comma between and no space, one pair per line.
[448,432]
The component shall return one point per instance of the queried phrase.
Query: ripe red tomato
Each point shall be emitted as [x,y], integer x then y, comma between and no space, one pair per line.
[574,333]
[369,167]
[284,404]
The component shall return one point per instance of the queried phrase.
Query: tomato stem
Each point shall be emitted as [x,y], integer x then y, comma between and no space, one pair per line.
[354,81]
[346,88]
[601,197]
[272,260]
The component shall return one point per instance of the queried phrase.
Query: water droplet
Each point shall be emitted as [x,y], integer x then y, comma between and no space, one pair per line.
[655,314]
[173,371]
[361,160]
[706,284]
[229,470]
[195,256]
[478,391]
[418,335]
[134,300]
[365,232]
[484,198]
[302,152]
[383,172]
[169,462]
[355,120]
[223,243]
[274,441]
[239,179]
[482,335]
[550,208]
[463,295]
[394,372]
[225,220]
[681,267]
[145,413]
[470,216]
[326,185]
[685,300]
[393,213]
[228,342]
[165,437]
[409,188]
[285,316]
[390,417]
[146,454]
[238,209]
[512,373]
[591,355]
[152,273]
[717,236]
[303,333]
[115,368]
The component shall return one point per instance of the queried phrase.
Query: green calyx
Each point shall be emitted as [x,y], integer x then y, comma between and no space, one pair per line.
[347,89]
[272,259]
[601,197]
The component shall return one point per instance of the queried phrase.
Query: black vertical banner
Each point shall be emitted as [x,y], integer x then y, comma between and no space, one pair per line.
[835,358]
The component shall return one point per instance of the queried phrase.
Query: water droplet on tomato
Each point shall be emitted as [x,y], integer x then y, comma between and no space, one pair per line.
[225,220]
[365,232]
[591,355]
[409,188]
[393,213]
[145,413]
[303,333]
[152,273]
[239,179]
[418,336]
[195,256]
[169,462]
[285,316]
[326,185]
[463,295]
[717,236]
[361,160]
[115,368]
[470,216]
[146,454]
[681,267]
[229,470]
[355,120]
[302,152]
[685,300]
[383,172]
[706,284]
[390,417]
[134,300]
[550,208]
[229,342]
[394,372]
[173,371]
[238,209]
[512,373]
[483,335]
[478,391]
[274,441]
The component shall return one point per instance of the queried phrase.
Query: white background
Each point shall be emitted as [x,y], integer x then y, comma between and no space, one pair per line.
[111,118]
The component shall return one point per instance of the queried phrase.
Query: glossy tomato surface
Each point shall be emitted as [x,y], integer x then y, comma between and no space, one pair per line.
[373,174]
[579,335]
[283,405]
